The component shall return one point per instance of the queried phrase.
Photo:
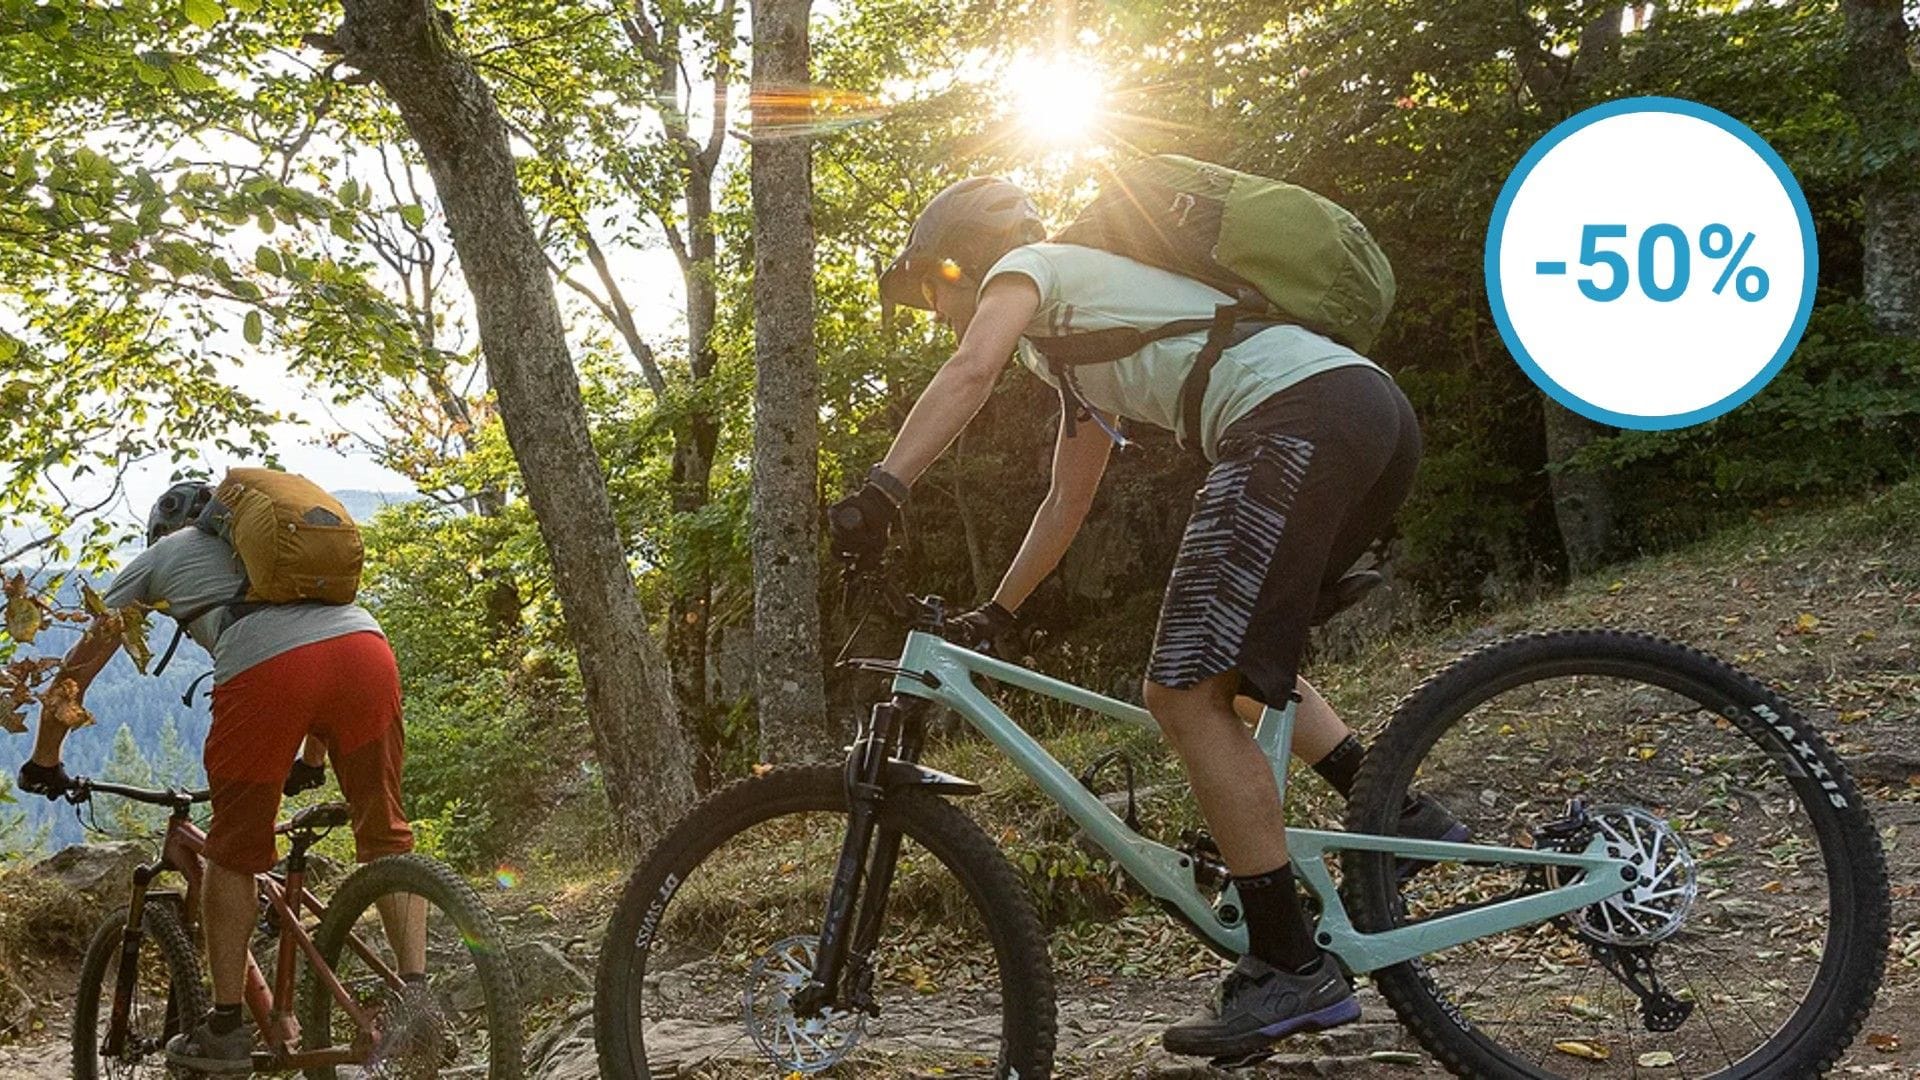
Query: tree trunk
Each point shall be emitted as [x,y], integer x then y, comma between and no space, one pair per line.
[1582,498]
[406,46]
[786,394]
[1884,95]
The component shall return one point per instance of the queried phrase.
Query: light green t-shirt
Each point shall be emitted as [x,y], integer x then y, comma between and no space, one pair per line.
[1083,288]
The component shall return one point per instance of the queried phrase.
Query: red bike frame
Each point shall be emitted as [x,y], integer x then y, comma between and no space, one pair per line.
[182,852]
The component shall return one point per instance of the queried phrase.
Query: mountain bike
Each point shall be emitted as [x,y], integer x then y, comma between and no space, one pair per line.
[141,982]
[1670,874]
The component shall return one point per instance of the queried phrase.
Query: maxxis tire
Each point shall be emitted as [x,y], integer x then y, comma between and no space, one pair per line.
[1843,989]
[162,920]
[1019,941]
[445,890]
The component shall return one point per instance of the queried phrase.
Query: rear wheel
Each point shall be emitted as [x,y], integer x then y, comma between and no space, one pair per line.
[717,930]
[463,1021]
[168,995]
[1756,935]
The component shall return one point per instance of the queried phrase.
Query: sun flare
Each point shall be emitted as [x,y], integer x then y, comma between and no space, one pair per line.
[1056,99]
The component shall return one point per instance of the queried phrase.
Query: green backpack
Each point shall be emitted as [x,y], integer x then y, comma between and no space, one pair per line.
[1287,256]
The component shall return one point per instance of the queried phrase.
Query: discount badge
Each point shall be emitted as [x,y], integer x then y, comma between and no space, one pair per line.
[1651,263]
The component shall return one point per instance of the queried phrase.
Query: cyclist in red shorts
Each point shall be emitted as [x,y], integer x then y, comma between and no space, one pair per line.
[291,683]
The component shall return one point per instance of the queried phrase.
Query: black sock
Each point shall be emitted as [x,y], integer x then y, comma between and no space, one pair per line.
[1277,930]
[1341,763]
[225,1019]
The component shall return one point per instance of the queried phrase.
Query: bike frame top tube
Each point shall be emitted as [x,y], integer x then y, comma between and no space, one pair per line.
[1168,874]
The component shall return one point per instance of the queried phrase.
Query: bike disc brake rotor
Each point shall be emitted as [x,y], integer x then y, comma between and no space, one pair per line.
[801,1044]
[1656,905]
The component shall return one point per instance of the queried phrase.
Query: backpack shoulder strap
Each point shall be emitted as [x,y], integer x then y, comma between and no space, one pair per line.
[181,622]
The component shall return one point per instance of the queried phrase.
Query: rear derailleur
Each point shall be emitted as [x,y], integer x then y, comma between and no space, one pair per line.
[1632,966]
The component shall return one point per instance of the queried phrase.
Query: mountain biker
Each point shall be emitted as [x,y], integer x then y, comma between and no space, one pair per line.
[290,683]
[1312,450]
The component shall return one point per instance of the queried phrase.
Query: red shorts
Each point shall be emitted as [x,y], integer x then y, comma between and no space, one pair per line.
[346,692]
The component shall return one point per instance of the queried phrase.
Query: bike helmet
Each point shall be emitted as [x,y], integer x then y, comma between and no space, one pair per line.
[964,230]
[177,508]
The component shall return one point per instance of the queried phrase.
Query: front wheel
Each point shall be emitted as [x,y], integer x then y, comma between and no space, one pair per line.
[717,929]
[1751,943]
[462,1019]
[168,995]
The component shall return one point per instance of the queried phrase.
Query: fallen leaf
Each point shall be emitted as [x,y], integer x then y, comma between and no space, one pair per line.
[1884,1041]
[1807,623]
[1590,1051]
[762,769]
[1656,1059]
[1772,887]
[1395,1057]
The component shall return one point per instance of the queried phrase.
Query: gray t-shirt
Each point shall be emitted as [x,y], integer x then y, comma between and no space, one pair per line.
[190,570]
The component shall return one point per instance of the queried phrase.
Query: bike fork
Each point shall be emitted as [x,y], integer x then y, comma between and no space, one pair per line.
[130,939]
[869,851]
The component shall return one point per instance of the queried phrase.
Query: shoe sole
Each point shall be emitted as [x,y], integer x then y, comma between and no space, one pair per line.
[1344,1011]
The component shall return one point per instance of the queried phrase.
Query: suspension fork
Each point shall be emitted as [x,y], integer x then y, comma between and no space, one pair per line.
[868,856]
[130,941]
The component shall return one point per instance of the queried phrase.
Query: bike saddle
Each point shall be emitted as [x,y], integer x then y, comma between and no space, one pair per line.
[1344,593]
[325,816]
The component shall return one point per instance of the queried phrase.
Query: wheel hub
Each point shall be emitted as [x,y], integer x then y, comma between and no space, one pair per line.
[1655,905]
[800,1044]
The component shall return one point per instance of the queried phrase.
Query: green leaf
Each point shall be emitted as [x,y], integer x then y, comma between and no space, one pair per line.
[268,260]
[414,215]
[252,329]
[205,14]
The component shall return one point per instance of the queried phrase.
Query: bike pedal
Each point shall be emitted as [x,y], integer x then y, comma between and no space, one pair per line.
[1241,1061]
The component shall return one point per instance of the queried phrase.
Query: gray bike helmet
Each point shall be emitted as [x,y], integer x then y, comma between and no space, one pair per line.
[178,508]
[971,224]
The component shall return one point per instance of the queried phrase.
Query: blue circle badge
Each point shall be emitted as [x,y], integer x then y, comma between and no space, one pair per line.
[1651,263]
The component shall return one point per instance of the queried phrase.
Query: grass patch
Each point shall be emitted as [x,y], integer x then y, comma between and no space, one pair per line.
[43,924]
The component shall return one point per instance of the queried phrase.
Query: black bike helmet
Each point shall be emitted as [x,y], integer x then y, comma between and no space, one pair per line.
[969,225]
[177,508]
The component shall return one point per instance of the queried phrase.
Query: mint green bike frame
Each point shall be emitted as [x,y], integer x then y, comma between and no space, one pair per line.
[1168,874]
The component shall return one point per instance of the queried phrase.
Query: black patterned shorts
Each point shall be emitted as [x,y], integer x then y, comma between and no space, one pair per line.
[1304,484]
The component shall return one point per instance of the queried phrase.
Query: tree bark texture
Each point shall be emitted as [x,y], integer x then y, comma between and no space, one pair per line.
[786,459]
[1582,498]
[1884,96]
[407,47]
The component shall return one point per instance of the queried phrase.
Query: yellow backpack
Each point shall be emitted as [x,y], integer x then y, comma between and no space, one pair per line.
[298,543]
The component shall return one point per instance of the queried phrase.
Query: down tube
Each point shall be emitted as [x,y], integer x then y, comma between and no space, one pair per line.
[1162,871]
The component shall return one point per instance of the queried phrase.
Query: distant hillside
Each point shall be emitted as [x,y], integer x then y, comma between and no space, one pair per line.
[364,504]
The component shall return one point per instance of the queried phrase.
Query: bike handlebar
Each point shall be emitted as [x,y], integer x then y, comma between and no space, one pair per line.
[865,577]
[83,788]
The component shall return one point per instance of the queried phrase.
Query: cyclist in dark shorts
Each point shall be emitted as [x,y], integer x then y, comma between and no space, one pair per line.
[290,683]
[1313,449]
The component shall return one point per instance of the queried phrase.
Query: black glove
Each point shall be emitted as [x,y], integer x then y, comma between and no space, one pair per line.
[303,777]
[858,524]
[49,780]
[984,626]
